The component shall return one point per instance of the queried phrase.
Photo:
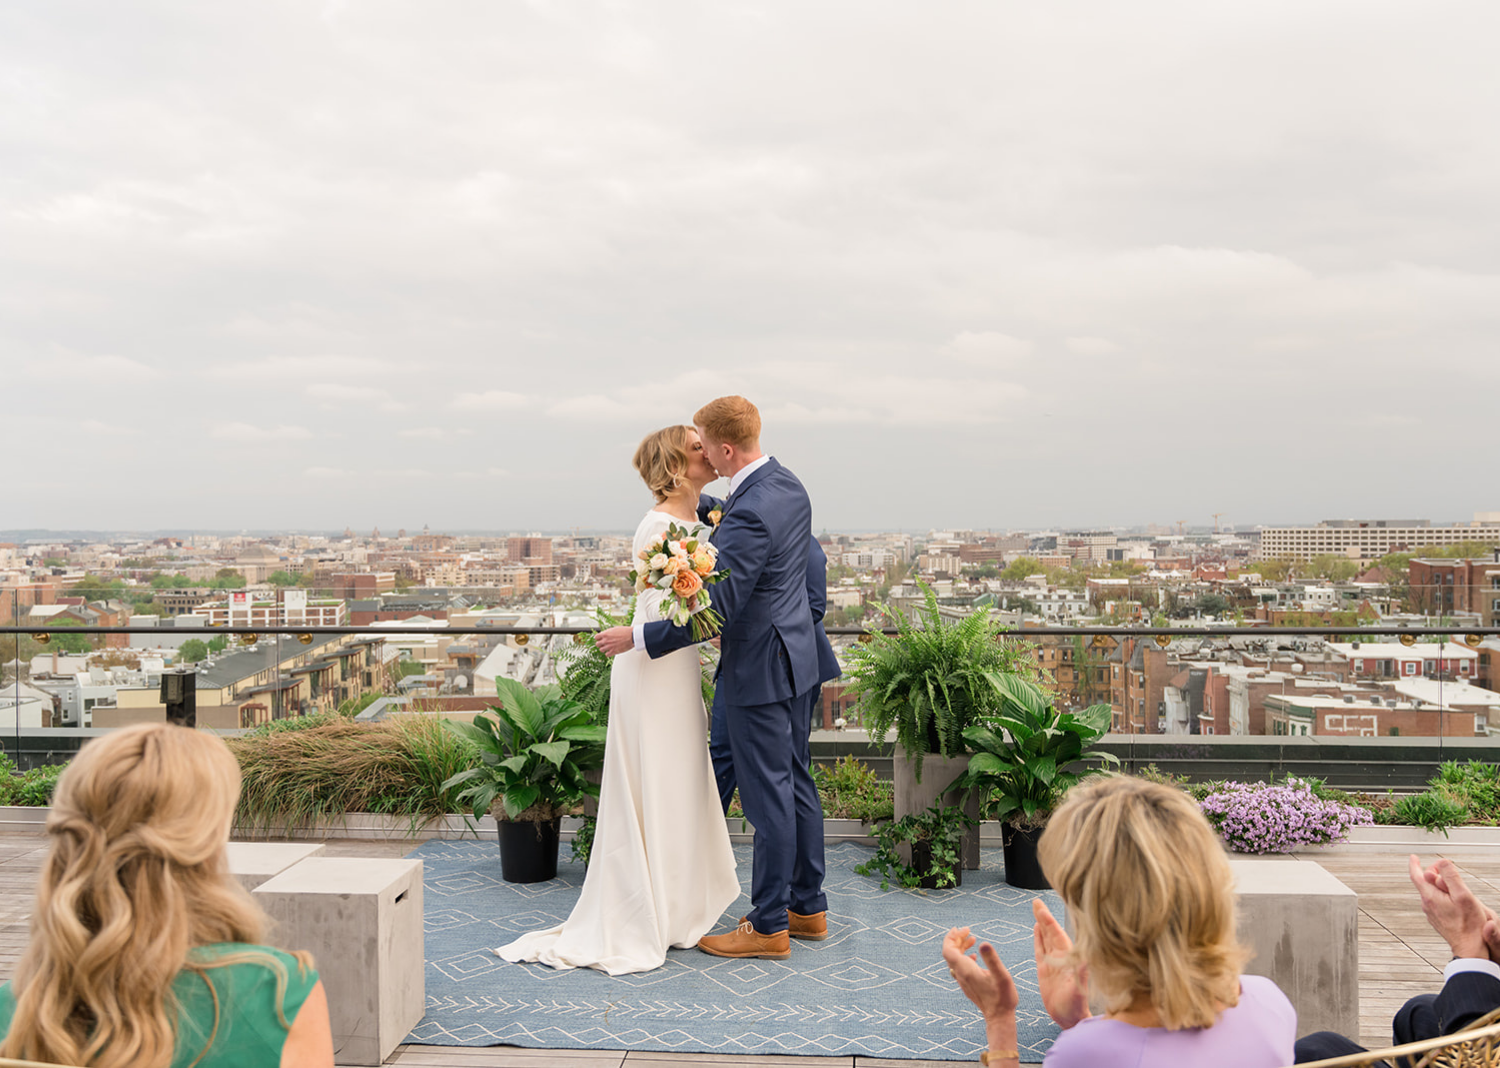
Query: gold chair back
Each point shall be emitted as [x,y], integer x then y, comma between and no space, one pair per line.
[1476,1046]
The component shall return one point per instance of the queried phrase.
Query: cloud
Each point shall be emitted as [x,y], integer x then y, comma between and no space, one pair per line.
[1091,346]
[428,432]
[595,407]
[493,400]
[295,370]
[988,348]
[337,394]
[250,432]
[325,472]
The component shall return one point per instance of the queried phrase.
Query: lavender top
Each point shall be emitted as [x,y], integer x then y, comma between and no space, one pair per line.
[1256,1033]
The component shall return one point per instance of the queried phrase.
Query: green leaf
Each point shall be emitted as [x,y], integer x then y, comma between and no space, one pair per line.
[556,752]
[519,799]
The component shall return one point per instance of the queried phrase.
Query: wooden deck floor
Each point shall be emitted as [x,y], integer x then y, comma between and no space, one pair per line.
[1399,955]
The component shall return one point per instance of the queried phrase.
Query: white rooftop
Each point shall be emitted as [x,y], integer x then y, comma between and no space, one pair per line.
[1397,651]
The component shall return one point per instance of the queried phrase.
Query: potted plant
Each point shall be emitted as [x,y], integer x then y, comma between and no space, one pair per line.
[535,750]
[1023,773]
[933,838]
[929,682]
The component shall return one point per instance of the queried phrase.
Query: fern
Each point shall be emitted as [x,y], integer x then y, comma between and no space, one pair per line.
[928,680]
[584,672]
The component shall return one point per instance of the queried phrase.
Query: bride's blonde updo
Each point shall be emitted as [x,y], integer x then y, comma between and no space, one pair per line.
[135,877]
[662,459]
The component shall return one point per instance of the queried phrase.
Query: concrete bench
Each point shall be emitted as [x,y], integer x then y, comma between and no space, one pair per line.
[362,921]
[1303,925]
[252,863]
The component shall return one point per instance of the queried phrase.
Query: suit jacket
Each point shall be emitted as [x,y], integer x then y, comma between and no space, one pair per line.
[817,599]
[1465,998]
[768,647]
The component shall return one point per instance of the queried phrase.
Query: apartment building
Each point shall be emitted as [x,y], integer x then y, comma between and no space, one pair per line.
[1445,586]
[1368,539]
[1393,660]
[289,608]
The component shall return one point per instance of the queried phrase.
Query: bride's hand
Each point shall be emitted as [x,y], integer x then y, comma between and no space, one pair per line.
[615,640]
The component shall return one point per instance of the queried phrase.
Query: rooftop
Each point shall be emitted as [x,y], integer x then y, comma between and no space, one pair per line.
[1399,955]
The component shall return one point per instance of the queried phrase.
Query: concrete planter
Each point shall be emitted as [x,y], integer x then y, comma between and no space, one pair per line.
[1380,839]
[23,819]
[914,796]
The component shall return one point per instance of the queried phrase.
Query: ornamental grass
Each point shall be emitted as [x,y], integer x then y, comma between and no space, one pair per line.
[327,767]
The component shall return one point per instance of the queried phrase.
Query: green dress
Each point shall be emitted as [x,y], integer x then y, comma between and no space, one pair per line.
[250,1034]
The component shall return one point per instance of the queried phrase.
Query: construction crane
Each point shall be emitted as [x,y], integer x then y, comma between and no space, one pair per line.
[1181,526]
[1216,520]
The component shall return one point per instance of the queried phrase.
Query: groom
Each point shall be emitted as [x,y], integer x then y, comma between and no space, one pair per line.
[768,663]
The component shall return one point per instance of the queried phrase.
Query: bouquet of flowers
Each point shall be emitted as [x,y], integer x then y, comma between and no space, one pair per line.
[682,564]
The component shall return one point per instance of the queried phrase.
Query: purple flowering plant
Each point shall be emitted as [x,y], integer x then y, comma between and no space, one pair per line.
[1275,817]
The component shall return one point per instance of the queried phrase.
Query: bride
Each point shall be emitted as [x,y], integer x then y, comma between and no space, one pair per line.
[661,871]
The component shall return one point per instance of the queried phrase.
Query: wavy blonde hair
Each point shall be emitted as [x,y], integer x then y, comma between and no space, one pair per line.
[662,459]
[134,879]
[1151,896]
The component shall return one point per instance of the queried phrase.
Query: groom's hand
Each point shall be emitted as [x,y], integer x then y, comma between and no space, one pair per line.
[615,640]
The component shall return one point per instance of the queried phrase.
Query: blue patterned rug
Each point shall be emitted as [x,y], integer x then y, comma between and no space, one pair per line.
[877,987]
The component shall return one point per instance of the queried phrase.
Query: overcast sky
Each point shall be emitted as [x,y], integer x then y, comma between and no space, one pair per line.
[290,265]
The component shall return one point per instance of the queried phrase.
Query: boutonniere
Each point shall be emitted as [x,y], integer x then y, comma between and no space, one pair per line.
[714,515]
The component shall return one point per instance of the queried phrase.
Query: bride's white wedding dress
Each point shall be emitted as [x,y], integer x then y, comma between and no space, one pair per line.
[661,871]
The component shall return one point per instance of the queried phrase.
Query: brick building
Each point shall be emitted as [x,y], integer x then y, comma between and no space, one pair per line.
[1445,586]
[1370,718]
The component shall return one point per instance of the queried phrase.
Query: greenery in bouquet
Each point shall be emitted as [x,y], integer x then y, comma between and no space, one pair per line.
[682,565]
[1276,817]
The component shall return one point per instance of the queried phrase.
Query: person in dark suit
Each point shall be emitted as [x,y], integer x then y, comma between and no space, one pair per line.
[768,666]
[1471,982]
[828,667]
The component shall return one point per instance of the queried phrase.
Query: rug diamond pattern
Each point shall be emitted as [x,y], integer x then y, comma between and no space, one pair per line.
[877,987]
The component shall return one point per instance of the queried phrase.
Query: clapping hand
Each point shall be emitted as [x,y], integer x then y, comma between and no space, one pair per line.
[1455,913]
[990,987]
[1064,988]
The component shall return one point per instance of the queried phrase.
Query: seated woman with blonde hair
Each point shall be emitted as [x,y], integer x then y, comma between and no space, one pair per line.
[1152,901]
[144,952]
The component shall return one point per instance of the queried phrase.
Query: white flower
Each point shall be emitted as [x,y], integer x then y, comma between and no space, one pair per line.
[658,562]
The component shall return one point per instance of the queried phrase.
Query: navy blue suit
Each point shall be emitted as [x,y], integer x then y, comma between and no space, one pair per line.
[1464,998]
[768,664]
[828,668]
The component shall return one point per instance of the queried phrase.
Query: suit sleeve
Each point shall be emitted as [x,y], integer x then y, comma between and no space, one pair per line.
[707,504]
[1465,997]
[744,544]
[817,580]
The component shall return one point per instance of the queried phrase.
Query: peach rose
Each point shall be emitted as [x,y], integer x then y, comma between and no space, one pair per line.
[687,584]
[673,565]
[703,562]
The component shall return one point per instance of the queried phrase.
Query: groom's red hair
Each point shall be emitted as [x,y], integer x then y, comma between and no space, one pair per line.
[731,420]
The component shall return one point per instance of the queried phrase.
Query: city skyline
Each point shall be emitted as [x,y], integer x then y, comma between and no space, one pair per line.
[994,267]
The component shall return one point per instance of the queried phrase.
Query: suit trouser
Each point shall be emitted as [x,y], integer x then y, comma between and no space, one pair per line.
[1463,999]
[764,750]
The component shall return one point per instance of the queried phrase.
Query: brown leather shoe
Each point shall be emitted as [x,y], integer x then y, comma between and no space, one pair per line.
[746,941]
[811,928]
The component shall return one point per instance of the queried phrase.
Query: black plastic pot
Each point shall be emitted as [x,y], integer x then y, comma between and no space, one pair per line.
[1021,867]
[528,851]
[921,862]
